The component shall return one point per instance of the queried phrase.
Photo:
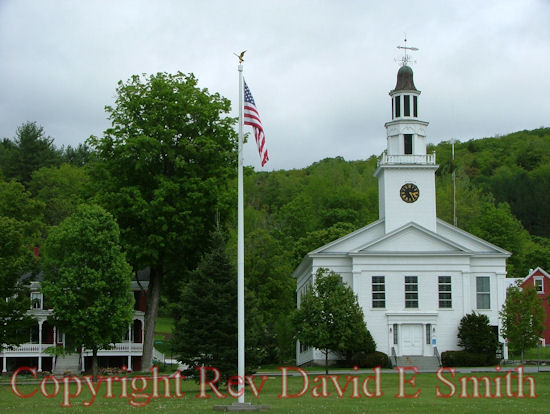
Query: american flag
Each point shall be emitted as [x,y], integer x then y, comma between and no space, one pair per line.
[252,118]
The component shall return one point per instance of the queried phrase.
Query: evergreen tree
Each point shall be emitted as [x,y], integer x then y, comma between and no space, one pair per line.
[476,335]
[206,318]
[30,151]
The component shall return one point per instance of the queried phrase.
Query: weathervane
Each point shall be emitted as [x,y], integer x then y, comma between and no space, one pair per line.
[406,59]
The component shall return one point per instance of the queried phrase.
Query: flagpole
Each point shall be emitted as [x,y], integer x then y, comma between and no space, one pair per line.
[240,245]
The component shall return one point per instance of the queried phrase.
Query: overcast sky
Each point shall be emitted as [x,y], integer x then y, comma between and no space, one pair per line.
[320,71]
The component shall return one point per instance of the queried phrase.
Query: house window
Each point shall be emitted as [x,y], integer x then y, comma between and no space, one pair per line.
[539,285]
[428,334]
[397,106]
[408,141]
[36,300]
[483,290]
[411,291]
[407,105]
[445,294]
[395,334]
[378,292]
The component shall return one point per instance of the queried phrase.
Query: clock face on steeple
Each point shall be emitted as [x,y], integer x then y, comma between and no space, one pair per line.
[409,193]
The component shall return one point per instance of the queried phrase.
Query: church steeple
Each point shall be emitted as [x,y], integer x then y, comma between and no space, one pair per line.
[406,133]
[406,173]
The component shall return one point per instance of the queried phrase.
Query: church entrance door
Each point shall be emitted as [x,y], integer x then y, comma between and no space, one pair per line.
[411,336]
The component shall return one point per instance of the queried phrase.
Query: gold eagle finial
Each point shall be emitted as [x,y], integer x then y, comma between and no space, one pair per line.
[241,56]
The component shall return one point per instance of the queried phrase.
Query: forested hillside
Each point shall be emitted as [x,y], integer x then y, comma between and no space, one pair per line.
[503,193]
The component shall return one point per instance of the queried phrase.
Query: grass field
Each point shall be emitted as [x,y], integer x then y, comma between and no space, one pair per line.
[427,402]
[163,334]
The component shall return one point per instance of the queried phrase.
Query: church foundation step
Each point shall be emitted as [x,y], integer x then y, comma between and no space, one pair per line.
[423,363]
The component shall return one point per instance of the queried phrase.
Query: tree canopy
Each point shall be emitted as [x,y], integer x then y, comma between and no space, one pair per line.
[162,171]
[87,280]
[329,318]
[522,318]
[15,262]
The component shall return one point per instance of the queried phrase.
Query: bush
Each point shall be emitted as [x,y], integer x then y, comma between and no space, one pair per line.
[467,359]
[370,360]
[475,334]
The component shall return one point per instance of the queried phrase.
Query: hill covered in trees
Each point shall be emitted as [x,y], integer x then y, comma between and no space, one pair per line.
[502,192]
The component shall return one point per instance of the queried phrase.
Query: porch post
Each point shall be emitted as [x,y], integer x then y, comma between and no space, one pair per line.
[40,345]
[83,360]
[4,364]
[129,347]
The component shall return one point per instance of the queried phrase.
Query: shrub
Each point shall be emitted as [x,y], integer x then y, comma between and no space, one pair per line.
[475,335]
[370,360]
[467,359]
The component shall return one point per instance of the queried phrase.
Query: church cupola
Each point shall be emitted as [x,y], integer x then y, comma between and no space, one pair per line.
[406,133]
[405,95]
[406,173]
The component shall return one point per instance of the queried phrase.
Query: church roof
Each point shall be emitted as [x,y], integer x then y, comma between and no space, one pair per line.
[405,80]
[409,239]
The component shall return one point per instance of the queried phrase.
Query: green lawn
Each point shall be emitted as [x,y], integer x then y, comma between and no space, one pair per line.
[425,403]
[163,334]
[533,353]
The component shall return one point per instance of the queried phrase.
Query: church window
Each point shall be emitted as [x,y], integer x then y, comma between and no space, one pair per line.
[36,300]
[445,292]
[428,334]
[539,286]
[398,106]
[483,290]
[392,110]
[408,141]
[378,292]
[406,105]
[395,334]
[415,106]
[411,291]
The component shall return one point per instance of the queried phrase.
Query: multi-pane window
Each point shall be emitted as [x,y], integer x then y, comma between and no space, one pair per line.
[539,286]
[378,292]
[483,291]
[395,334]
[428,334]
[415,105]
[445,293]
[411,291]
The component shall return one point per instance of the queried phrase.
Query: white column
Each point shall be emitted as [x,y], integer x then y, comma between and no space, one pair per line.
[82,360]
[40,345]
[129,347]
[4,364]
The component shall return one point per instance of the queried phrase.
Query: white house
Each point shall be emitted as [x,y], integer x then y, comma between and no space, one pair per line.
[43,335]
[415,276]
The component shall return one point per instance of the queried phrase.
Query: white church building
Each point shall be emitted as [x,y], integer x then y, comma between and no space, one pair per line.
[415,275]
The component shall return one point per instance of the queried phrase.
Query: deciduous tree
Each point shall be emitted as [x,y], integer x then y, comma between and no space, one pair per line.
[522,318]
[87,280]
[15,261]
[162,170]
[330,318]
